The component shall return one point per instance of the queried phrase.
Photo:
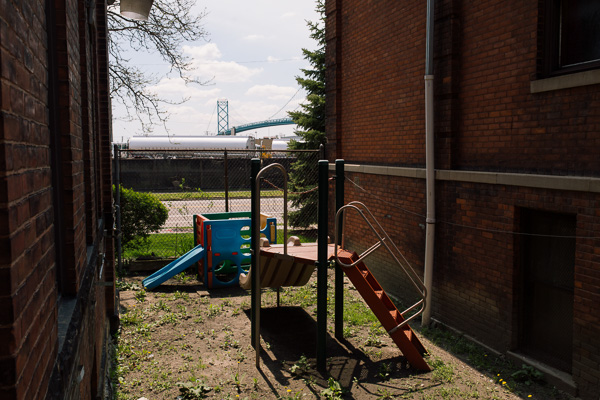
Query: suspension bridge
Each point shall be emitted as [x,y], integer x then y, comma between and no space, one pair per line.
[223,121]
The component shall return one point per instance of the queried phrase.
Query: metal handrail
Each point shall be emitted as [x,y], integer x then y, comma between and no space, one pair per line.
[256,251]
[383,239]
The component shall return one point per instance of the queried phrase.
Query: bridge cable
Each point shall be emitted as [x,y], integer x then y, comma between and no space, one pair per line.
[288,102]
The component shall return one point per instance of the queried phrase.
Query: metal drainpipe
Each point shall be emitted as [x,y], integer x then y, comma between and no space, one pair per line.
[429,164]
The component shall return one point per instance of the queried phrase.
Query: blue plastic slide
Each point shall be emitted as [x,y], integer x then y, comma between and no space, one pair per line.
[175,267]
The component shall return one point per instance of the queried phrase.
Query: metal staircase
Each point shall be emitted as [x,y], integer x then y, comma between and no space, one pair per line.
[393,321]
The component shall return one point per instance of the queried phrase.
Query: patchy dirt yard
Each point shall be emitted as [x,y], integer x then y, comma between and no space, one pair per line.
[182,342]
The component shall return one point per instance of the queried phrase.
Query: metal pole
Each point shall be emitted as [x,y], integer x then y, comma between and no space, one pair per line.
[226,182]
[322,268]
[339,274]
[429,165]
[255,240]
[254,280]
[117,180]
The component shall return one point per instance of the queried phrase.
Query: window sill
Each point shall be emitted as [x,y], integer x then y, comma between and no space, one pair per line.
[566,81]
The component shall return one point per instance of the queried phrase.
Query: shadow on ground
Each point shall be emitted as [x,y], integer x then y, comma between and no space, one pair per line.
[290,333]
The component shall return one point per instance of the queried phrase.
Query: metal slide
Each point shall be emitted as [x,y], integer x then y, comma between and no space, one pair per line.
[174,268]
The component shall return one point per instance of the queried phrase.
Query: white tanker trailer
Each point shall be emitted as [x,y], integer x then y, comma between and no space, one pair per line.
[191,143]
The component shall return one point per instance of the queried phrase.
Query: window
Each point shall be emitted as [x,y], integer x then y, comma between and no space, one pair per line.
[571,36]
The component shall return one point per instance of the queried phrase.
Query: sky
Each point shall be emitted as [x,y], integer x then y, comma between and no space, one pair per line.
[251,56]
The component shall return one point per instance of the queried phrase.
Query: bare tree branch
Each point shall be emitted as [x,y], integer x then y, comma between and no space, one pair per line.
[170,26]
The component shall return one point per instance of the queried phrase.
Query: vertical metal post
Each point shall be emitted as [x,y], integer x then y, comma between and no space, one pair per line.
[254,279]
[322,268]
[226,181]
[339,274]
[117,180]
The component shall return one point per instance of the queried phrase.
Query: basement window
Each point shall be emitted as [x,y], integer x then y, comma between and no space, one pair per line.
[570,37]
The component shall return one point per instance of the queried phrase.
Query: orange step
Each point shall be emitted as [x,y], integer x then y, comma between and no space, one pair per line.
[385,310]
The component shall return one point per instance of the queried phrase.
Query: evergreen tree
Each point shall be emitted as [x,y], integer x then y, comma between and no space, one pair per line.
[310,120]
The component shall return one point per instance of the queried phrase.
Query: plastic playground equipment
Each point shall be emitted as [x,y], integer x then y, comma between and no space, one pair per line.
[222,249]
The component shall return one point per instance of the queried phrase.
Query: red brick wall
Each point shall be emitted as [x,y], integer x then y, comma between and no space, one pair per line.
[486,119]
[382,88]
[28,295]
[501,121]
[32,291]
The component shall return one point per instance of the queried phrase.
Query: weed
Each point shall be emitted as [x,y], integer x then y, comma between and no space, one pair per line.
[384,394]
[180,295]
[144,329]
[348,332]
[373,341]
[239,356]
[291,396]
[193,390]
[301,366]
[183,277]
[161,305]
[527,375]
[168,318]
[237,381]
[229,341]
[140,296]
[214,311]
[181,308]
[133,317]
[385,371]
[125,286]
[334,391]
[441,371]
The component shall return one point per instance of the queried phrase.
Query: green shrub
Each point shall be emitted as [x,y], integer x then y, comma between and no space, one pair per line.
[141,214]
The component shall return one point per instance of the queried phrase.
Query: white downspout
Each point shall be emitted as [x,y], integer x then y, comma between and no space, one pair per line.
[429,166]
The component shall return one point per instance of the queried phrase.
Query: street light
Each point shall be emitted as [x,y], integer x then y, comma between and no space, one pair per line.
[136,9]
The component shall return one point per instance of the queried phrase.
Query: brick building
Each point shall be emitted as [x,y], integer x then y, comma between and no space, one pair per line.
[517,164]
[57,295]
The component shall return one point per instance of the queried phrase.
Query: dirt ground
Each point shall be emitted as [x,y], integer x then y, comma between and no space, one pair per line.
[180,341]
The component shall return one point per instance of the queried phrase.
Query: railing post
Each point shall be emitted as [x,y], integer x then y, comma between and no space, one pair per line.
[226,181]
[322,268]
[117,180]
[339,274]
[254,279]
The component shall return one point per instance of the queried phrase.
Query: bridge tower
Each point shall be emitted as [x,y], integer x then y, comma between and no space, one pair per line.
[222,116]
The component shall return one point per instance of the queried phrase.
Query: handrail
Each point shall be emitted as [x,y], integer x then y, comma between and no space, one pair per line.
[383,239]
[255,232]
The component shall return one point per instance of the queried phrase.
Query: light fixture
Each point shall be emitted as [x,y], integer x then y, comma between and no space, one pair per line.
[136,9]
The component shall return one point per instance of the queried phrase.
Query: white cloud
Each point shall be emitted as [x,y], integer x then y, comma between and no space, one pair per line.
[254,37]
[175,88]
[208,66]
[271,92]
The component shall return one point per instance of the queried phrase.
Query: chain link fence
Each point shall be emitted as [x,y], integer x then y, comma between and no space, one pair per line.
[205,182]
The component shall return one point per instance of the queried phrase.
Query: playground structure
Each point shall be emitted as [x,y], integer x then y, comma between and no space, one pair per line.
[222,250]
[394,321]
[275,266]
[226,238]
